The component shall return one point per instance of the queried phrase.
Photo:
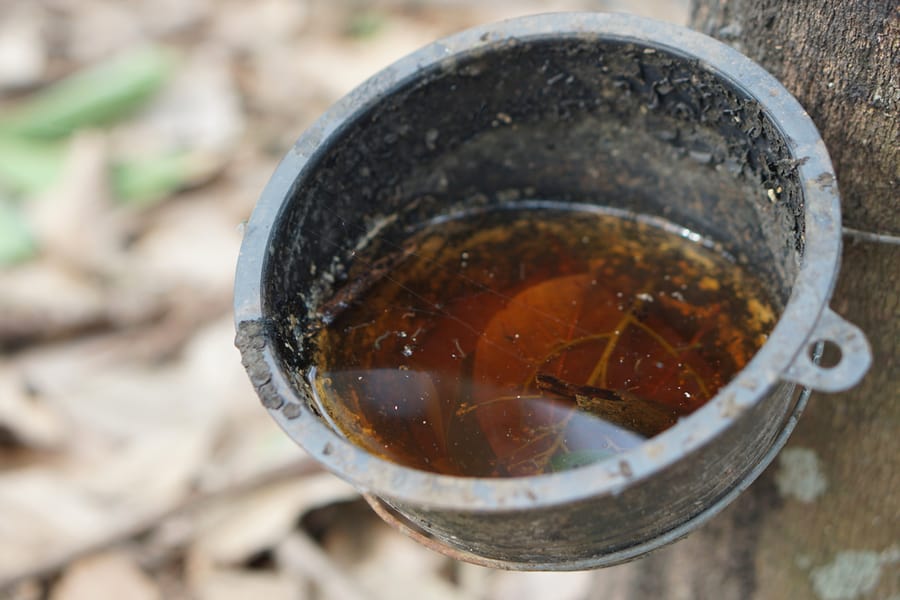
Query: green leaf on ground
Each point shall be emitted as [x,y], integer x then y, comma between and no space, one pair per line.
[364,25]
[27,166]
[16,241]
[148,180]
[94,96]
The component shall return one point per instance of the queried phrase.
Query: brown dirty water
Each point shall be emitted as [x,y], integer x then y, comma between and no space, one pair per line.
[524,341]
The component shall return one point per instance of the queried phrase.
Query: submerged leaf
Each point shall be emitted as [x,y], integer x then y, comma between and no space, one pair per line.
[574,340]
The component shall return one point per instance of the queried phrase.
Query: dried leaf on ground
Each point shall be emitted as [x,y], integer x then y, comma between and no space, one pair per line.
[73,222]
[231,533]
[125,421]
[43,516]
[50,513]
[107,395]
[237,24]
[245,585]
[24,420]
[91,30]
[302,557]
[189,244]
[44,299]
[198,109]
[23,52]
[397,568]
[539,585]
[108,575]
[382,561]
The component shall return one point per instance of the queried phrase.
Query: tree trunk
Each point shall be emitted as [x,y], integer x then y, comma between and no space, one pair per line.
[841,59]
[824,521]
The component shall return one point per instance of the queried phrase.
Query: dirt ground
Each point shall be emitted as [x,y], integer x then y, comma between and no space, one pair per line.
[135,459]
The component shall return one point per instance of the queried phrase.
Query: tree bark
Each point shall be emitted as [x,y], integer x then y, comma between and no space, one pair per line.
[841,59]
[823,521]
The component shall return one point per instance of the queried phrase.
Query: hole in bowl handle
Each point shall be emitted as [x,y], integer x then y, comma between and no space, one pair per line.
[855,360]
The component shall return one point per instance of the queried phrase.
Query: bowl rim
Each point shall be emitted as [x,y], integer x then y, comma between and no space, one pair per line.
[809,297]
